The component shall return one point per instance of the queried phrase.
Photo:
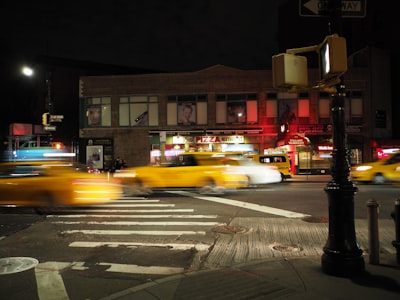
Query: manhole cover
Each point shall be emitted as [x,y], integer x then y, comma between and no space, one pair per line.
[10,265]
[316,219]
[229,229]
[285,248]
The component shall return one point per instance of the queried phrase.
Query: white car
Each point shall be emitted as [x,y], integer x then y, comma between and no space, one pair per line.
[257,173]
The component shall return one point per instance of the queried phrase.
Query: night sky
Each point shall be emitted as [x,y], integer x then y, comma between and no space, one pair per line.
[170,36]
[177,35]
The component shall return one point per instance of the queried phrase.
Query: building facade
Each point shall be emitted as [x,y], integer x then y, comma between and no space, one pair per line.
[148,118]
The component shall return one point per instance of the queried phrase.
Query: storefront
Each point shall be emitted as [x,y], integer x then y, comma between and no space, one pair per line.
[166,145]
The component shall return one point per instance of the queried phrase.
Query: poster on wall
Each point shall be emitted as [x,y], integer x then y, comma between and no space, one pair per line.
[94,157]
[236,112]
[94,115]
[187,113]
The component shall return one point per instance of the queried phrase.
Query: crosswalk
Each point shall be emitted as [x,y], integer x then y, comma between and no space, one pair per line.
[127,224]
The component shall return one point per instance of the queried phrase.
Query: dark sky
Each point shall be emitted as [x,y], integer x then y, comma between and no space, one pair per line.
[176,35]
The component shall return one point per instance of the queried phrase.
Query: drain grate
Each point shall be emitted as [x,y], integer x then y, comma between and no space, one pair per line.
[10,265]
[285,248]
[229,229]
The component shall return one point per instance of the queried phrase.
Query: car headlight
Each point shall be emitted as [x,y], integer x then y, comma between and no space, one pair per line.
[363,168]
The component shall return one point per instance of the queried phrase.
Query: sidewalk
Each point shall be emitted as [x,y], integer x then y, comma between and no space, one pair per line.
[246,266]
[283,278]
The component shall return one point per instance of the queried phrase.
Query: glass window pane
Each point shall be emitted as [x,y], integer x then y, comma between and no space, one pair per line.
[202,113]
[139,114]
[153,114]
[138,99]
[304,108]
[356,107]
[124,114]
[221,112]
[252,112]
[187,113]
[272,109]
[106,115]
[324,108]
[172,114]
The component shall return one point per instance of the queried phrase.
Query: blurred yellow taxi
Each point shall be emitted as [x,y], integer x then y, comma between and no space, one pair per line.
[378,172]
[188,170]
[54,184]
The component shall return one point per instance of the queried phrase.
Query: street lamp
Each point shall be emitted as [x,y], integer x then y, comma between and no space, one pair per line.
[29,72]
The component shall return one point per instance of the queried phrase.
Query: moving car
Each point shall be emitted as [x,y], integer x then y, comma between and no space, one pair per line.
[279,160]
[188,170]
[378,172]
[257,173]
[54,184]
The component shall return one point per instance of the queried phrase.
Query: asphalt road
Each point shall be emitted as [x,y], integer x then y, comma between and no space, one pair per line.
[91,252]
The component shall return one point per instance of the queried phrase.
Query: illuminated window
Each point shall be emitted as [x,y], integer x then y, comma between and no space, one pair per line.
[98,112]
[187,110]
[139,110]
[237,109]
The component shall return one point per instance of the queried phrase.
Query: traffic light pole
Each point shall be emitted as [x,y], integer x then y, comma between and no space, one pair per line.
[342,255]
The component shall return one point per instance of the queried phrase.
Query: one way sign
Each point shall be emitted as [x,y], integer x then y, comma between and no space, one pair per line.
[319,8]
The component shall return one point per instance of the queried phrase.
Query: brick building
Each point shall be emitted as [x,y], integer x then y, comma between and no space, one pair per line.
[138,117]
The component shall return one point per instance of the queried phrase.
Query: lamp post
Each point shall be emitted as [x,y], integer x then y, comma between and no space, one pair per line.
[342,255]
[49,103]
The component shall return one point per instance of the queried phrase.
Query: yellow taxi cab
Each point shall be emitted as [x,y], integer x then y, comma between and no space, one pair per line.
[378,172]
[54,184]
[188,170]
[279,160]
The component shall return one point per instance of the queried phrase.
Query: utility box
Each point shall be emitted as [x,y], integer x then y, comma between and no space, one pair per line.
[289,70]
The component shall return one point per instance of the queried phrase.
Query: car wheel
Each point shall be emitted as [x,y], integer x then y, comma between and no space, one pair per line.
[210,188]
[379,179]
[283,178]
[134,188]
[47,203]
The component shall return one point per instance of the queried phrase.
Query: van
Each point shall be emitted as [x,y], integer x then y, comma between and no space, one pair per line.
[280,160]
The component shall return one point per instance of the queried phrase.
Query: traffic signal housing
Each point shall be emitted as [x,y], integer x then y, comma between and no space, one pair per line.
[46,119]
[332,57]
[289,70]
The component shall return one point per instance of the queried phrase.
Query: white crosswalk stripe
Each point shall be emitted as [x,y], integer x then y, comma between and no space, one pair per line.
[109,226]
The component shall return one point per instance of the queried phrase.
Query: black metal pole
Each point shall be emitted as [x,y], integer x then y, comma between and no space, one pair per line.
[49,96]
[342,255]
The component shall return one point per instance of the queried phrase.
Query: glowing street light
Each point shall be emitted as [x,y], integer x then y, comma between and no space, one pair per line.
[27,71]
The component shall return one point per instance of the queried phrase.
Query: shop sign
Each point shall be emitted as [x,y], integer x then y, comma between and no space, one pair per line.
[307,128]
[294,140]
[220,139]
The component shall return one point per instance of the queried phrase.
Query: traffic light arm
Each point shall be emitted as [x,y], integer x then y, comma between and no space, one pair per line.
[303,49]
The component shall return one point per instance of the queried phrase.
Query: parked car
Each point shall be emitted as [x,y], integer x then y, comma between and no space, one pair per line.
[257,173]
[54,184]
[378,172]
[188,170]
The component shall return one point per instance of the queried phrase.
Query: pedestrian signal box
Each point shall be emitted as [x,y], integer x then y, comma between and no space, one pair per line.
[289,70]
[332,57]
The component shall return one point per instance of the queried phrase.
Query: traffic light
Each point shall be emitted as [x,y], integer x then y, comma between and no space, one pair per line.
[332,57]
[284,128]
[46,119]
